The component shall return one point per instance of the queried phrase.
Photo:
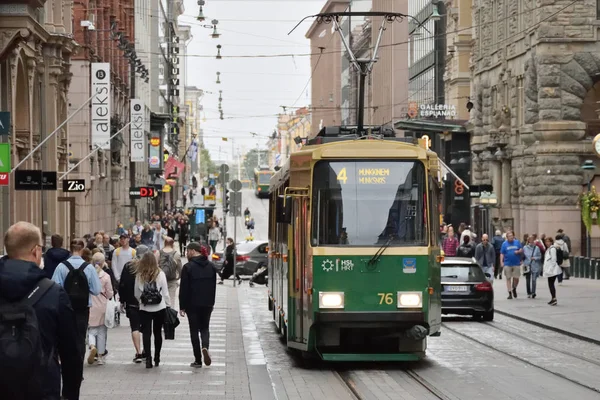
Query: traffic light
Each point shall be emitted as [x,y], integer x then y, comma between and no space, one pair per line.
[226,202]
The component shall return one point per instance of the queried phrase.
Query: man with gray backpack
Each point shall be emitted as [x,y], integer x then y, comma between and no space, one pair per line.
[169,260]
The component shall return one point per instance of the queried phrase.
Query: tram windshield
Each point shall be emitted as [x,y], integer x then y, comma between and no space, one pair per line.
[367,203]
[264,179]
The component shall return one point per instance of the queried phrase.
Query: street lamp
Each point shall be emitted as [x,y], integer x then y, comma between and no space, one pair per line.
[218,77]
[589,170]
[215,34]
[200,16]
[219,52]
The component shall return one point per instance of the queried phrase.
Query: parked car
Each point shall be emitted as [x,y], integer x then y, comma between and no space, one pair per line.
[465,289]
[251,255]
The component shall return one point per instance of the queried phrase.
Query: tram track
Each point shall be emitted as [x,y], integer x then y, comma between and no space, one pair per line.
[580,357]
[349,382]
[523,360]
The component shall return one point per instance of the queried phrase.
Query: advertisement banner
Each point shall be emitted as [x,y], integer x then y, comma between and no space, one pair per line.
[100,120]
[137,134]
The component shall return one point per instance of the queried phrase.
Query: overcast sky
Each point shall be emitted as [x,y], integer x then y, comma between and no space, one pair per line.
[253,88]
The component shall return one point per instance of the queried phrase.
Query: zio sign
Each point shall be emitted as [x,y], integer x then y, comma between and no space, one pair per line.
[74,185]
[137,135]
[100,120]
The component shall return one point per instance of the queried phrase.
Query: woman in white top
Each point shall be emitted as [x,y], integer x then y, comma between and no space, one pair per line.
[551,268]
[152,292]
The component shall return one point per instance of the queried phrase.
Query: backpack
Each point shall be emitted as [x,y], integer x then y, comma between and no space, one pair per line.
[168,264]
[560,256]
[77,286]
[151,294]
[22,358]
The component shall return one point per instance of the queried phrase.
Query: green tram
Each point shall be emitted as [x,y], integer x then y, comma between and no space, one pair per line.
[354,261]
[262,178]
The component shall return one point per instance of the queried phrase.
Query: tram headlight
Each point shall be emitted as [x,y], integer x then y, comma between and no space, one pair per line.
[331,299]
[410,300]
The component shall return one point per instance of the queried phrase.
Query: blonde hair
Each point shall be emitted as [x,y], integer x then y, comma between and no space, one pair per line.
[98,260]
[147,268]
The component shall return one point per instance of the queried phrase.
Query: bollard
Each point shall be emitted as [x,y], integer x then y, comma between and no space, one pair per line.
[597,269]
[586,268]
[593,265]
[576,263]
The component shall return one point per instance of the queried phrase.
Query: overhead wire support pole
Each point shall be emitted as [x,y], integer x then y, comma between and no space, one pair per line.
[53,133]
[93,152]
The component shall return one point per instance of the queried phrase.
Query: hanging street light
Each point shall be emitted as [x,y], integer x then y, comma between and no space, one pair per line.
[218,77]
[200,16]
[215,34]
[219,52]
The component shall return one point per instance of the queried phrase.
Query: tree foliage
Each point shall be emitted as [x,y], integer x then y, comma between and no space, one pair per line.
[251,161]
[207,166]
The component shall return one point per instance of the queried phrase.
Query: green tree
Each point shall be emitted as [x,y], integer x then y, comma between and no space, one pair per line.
[207,166]
[251,161]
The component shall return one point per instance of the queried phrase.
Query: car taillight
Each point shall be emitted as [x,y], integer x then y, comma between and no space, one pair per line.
[484,287]
[242,258]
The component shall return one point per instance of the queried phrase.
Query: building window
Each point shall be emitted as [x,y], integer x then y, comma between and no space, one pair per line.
[597,9]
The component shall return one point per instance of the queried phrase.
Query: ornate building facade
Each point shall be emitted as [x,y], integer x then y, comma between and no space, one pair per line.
[36,45]
[535,73]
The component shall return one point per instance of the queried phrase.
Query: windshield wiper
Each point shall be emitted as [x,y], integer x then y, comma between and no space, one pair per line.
[376,256]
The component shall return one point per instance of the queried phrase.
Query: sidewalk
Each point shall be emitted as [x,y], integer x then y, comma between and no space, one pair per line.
[577,311]
[238,370]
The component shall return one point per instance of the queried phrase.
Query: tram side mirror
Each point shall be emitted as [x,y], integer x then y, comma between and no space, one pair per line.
[284,209]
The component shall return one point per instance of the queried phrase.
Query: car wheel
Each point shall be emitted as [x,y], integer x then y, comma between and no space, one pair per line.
[488,315]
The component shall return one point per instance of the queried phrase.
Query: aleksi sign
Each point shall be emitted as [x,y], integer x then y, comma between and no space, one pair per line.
[74,185]
[100,121]
[138,137]
[437,110]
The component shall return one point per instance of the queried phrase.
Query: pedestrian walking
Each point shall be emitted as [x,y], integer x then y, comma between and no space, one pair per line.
[169,261]
[214,234]
[55,255]
[532,265]
[510,257]
[551,268]
[152,293]
[197,299]
[97,332]
[497,242]
[81,282]
[466,249]
[560,243]
[121,256]
[450,244]
[24,287]
[485,255]
[130,303]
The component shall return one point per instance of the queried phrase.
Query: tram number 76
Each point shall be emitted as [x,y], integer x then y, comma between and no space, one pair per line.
[388,298]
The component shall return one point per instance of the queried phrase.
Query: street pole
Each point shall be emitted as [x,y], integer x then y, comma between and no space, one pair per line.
[132,171]
[588,239]
[53,133]
[234,248]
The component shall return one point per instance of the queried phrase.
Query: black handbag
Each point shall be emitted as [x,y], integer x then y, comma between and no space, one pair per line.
[171,322]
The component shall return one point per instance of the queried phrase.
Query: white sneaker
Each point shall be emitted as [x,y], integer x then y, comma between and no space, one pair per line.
[100,360]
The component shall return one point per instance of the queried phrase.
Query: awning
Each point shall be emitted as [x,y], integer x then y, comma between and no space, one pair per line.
[432,125]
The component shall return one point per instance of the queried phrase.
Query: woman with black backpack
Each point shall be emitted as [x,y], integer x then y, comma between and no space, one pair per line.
[152,292]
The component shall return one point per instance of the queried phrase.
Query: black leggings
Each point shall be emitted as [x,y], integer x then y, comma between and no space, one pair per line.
[152,322]
[551,282]
[182,244]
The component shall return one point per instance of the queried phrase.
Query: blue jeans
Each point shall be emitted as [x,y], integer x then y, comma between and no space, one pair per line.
[531,279]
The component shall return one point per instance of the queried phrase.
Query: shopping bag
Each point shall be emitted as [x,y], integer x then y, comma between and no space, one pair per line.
[111,315]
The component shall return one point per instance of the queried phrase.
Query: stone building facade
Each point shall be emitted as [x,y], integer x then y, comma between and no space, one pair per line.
[535,73]
[36,47]
[106,200]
